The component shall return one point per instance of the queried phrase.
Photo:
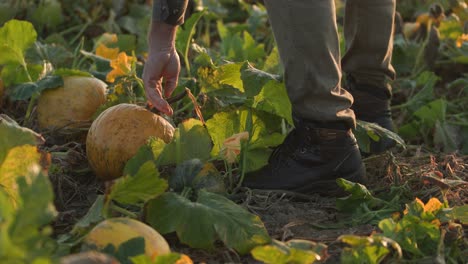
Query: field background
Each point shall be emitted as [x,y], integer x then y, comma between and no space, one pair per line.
[231,66]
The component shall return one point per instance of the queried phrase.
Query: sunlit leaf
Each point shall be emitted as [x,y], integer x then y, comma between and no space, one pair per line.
[12,135]
[15,37]
[139,188]
[293,251]
[191,140]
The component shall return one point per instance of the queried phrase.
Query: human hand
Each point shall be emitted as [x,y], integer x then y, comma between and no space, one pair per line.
[162,67]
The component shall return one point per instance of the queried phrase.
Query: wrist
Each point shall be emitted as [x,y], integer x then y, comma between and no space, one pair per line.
[162,36]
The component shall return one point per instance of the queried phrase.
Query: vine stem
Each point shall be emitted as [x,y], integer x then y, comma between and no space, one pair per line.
[123,211]
[32,101]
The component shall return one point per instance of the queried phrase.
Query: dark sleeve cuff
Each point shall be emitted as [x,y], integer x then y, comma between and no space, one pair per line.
[169,11]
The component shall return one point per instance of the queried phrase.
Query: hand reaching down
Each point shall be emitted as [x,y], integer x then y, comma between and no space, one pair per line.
[161,71]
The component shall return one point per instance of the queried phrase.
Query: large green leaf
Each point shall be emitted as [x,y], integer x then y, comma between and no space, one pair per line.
[274,99]
[254,79]
[199,224]
[191,140]
[256,158]
[251,50]
[26,90]
[138,188]
[230,74]
[15,37]
[13,74]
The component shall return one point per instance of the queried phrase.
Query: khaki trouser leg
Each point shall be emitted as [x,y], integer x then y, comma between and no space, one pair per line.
[306,33]
[369,26]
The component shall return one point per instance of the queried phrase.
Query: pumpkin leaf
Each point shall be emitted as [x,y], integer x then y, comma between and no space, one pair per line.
[138,188]
[15,37]
[212,217]
[26,90]
[293,251]
[191,140]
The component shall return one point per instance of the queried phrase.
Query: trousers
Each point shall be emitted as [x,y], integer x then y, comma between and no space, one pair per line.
[306,32]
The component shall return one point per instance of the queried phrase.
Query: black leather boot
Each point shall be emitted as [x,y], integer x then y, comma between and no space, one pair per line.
[310,160]
[372,105]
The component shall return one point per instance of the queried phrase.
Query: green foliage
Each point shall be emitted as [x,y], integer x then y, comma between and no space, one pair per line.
[26,195]
[292,251]
[191,140]
[211,217]
[138,188]
[12,135]
[15,37]
[417,231]
[363,207]
[369,250]
[184,174]
[262,135]
[365,132]
[196,175]
[127,250]
[26,90]
[184,37]
[233,68]
[425,233]
[47,14]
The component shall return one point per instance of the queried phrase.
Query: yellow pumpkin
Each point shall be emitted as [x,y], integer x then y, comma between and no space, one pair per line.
[76,101]
[90,257]
[117,134]
[115,231]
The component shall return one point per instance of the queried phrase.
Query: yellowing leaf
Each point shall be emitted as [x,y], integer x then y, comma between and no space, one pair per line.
[121,66]
[232,146]
[18,162]
[108,53]
[433,205]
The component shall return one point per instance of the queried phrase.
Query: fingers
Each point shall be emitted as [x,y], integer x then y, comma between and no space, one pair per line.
[157,68]
[152,79]
[155,99]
